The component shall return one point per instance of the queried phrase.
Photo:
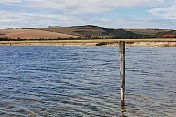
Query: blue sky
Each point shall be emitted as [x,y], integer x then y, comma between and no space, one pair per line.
[105,13]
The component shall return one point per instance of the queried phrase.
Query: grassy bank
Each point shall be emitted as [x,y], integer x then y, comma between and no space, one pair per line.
[98,42]
[92,41]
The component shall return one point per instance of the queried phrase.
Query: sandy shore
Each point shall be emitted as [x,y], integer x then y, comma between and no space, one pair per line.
[147,44]
[113,44]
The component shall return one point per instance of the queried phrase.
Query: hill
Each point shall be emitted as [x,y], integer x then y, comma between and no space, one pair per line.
[168,32]
[81,32]
[32,34]
[90,31]
[147,32]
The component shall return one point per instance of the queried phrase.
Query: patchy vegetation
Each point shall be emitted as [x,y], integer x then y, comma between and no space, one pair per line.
[97,42]
[169,32]
[81,33]
[94,32]
[147,31]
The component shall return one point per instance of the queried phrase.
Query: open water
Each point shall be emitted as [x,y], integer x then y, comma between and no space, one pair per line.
[53,81]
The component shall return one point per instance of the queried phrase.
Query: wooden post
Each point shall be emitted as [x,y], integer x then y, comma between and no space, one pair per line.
[122,71]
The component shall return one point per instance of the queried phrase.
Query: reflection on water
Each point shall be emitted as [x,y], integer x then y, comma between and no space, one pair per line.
[85,81]
[123,109]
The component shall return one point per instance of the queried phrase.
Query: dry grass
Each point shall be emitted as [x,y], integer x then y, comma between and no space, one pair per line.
[32,34]
[100,42]
[94,41]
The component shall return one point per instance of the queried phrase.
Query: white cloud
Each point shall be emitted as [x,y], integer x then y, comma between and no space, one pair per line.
[9,20]
[91,6]
[166,13]
[84,6]
[75,12]
[135,23]
[10,2]
[20,19]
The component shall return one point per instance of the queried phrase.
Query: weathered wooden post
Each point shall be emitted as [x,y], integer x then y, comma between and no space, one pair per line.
[122,71]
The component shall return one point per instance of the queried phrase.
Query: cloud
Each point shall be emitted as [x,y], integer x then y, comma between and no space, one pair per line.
[22,19]
[42,13]
[135,23]
[166,13]
[83,6]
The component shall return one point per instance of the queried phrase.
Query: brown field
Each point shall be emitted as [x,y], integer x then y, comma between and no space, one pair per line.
[32,34]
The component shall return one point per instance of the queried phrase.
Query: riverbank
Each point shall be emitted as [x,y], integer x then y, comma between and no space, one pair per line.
[99,42]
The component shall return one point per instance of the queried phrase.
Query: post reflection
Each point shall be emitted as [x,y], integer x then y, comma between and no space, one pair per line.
[123,111]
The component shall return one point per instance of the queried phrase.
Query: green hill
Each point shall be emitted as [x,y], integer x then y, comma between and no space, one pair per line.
[90,31]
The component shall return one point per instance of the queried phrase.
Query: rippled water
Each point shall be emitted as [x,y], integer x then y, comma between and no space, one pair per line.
[84,81]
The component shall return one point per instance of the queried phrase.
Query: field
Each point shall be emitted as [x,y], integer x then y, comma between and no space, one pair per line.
[83,32]
[32,34]
[146,31]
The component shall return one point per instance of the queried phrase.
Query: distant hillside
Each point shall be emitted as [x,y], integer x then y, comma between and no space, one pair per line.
[90,31]
[147,31]
[32,34]
[169,32]
[81,32]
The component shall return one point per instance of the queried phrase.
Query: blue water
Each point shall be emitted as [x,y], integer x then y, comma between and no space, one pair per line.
[84,81]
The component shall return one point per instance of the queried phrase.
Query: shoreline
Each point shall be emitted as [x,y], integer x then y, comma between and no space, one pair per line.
[104,44]
[101,42]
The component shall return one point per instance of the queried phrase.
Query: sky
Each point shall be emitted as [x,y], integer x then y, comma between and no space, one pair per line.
[104,13]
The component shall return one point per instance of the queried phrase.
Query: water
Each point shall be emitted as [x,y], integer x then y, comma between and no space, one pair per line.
[84,81]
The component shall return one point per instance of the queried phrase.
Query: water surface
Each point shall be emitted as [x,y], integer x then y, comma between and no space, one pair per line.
[84,81]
